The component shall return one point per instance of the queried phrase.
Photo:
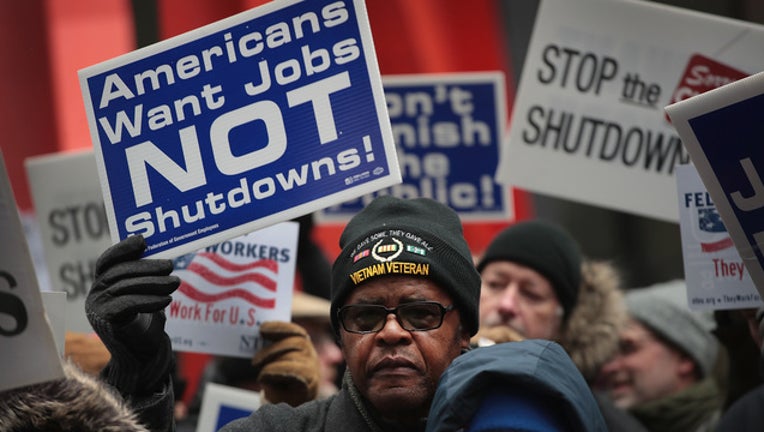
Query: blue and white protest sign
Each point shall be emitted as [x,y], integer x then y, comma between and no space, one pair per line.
[714,273]
[448,129]
[222,404]
[255,119]
[722,131]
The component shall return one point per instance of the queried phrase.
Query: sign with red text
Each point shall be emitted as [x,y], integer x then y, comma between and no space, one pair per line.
[714,273]
[259,118]
[588,123]
[723,131]
[228,289]
[70,212]
[28,354]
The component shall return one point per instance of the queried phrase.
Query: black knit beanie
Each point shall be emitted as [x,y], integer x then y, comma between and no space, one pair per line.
[416,237]
[545,248]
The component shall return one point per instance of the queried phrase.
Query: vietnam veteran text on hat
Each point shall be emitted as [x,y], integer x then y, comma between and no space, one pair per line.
[418,237]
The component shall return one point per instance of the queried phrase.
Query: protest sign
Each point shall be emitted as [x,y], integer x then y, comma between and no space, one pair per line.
[223,404]
[714,273]
[448,129]
[29,352]
[227,290]
[54,304]
[261,117]
[722,130]
[70,212]
[588,123]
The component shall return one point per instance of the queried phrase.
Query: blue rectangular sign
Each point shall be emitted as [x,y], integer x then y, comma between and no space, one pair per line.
[255,119]
[723,132]
[448,129]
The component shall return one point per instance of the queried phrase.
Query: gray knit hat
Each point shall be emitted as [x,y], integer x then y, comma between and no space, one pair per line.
[547,249]
[416,237]
[663,309]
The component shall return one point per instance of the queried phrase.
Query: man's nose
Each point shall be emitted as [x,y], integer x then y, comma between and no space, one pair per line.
[509,301]
[392,331]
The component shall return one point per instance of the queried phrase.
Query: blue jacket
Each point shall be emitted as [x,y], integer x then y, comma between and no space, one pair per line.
[537,367]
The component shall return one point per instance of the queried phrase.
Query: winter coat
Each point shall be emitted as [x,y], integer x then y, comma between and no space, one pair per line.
[591,334]
[534,365]
[78,402]
[345,411]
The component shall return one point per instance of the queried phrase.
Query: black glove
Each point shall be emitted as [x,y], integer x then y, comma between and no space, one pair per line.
[125,306]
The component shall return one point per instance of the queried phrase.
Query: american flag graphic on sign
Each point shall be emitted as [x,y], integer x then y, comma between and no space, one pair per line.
[208,277]
[710,225]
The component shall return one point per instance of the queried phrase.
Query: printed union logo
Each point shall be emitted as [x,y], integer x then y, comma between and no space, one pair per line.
[711,232]
[387,251]
[701,75]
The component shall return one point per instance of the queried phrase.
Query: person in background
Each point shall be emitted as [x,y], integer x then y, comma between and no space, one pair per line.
[530,385]
[536,284]
[404,303]
[746,414]
[663,373]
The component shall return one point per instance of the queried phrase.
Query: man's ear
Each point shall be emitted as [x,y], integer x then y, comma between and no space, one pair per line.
[687,366]
[464,341]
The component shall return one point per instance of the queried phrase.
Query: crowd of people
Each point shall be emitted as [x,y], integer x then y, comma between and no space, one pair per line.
[419,333]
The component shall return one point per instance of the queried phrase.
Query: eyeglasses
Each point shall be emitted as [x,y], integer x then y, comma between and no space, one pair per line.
[415,316]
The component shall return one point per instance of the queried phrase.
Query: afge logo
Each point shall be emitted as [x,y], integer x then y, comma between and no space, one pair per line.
[257,118]
[703,74]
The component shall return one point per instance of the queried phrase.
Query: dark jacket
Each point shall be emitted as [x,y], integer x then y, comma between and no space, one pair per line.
[537,366]
[345,411]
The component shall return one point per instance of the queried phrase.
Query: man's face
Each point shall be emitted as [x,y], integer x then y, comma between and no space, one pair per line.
[395,369]
[519,297]
[645,369]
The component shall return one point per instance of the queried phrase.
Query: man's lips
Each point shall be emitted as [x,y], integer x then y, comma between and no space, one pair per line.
[392,363]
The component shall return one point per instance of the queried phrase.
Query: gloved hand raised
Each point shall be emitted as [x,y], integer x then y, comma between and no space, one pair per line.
[125,306]
[287,369]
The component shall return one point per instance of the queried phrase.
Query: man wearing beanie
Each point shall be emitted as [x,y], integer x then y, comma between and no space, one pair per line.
[536,284]
[663,373]
[404,304]
[531,275]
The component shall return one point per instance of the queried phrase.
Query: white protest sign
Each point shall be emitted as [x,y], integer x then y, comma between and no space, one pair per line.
[723,130]
[714,273]
[223,404]
[28,353]
[588,123]
[259,118]
[227,290]
[69,206]
[54,303]
[448,129]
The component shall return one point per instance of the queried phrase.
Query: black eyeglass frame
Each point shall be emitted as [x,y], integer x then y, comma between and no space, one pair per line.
[381,323]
